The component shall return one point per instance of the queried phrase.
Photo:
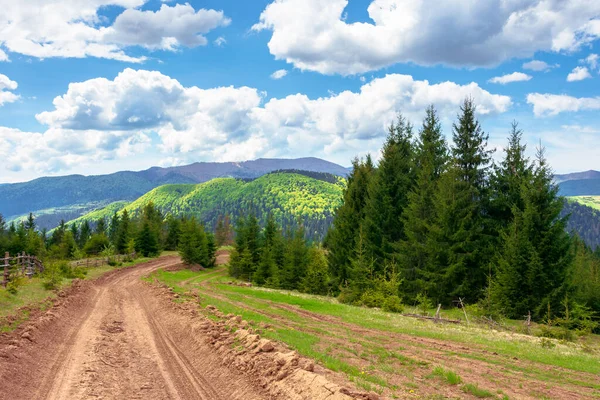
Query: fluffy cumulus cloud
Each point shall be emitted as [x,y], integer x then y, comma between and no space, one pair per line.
[74,28]
[578,74]
[103,119]
[514,77]
[553,104]
[314,35]
[6,88]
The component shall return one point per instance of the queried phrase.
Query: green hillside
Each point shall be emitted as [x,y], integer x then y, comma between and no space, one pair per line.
[287,195]
[590,201]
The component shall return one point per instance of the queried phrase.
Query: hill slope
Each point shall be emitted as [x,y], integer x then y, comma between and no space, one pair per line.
[70,196]
[288,196]
[580,187]
[576,176]
[584,220]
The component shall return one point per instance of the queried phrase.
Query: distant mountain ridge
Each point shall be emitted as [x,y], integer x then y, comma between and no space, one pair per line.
[62,192]
[591,174]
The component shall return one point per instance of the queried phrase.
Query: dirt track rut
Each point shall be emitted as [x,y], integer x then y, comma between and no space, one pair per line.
[118,343]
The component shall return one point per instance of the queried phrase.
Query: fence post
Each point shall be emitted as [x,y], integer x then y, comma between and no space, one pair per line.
[6,265]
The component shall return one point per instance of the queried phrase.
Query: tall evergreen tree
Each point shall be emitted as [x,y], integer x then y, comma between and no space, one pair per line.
[342,236]
[146,240]
[388,194]
[460,242]
[100,227]
[30,223]
[124,233]
[173,233]
[418,271]
[84,234]
[507,179]
[296,260]
[113,229]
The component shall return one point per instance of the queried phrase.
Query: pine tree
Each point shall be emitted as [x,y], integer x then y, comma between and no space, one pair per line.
[342,236]
[317,277]
[84,234]
[507,180]
[419,271]
[271,256]
[30,223]
[193,243]
[113,229]
[75,232]
[173,233]
[296,260]
[548,284]
[460,244]
[146,241]
[388,194]
[124,233]
[100,227]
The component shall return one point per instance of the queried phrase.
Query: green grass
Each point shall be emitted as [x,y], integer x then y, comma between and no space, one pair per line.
[370,359]
[476,391]
[451,377]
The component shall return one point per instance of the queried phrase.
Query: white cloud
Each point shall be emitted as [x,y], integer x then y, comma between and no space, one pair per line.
[536,65]
[279,74]
[313,35]
[6,88]
[72,28]
[592,60]
[3,56]
[578,74]
[103,119]
[167,28]
[553,104]
[514,77]
[220,41]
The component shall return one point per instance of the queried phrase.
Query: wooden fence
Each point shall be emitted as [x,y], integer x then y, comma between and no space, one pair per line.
[19,265]
[100,261]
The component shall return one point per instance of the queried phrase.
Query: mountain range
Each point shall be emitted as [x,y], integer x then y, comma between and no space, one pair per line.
[67,197]
[306,187]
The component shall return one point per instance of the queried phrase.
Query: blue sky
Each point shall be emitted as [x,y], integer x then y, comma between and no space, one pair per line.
[98,86]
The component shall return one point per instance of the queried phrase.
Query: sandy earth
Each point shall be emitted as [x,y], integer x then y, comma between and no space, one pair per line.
[113,341]
[119,337]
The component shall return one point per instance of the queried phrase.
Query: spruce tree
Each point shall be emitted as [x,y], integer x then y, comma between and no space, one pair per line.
[418,270]
[100,227]
[113,229]
[123,234]
[317,278]
[342,236]
[460,244]
[507,179]
[173,233]
[146,241]
[30,223]
[296,260]
[388,194]
[84,234]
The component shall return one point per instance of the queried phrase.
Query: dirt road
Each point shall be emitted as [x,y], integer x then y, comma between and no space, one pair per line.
[115,340]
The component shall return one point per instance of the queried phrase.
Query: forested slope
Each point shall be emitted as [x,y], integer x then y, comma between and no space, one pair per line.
[287,195]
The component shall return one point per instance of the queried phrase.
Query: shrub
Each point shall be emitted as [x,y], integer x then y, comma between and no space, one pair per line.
[52,277]
[15,284]
[393,304]
[424,304]
[372,299]
[71,272]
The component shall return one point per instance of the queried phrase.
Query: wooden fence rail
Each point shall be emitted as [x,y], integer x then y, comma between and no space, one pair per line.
[20,265]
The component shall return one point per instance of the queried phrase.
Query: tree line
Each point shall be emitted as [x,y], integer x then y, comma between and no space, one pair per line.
[449,224]
[146,234]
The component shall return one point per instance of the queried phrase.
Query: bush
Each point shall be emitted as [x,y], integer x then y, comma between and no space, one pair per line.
[52,277]
[393,304]
[71,272]
[372,299]
[15,284]
[424,304]
[348,296]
